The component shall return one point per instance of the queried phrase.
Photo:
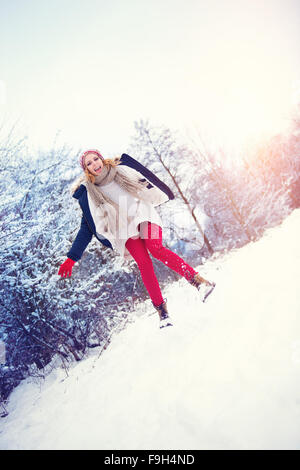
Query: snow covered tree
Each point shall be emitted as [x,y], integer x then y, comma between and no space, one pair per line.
[160,150]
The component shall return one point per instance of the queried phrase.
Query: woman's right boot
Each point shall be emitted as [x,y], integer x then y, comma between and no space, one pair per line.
[204,287]
[164,319]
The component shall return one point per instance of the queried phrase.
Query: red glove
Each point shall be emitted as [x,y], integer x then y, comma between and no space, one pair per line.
[66,268]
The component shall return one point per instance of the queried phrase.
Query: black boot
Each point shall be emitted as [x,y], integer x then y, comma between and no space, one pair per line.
[164,319]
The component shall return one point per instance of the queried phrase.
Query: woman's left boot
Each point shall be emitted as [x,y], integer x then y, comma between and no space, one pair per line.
[204,287]
[164,319]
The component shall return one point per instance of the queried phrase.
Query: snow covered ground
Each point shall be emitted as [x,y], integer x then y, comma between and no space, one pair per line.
[226,376]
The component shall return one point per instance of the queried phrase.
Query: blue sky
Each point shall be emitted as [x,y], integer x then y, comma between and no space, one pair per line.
[91,68]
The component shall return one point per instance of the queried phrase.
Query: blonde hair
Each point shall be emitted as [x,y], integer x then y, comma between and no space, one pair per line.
[87,176]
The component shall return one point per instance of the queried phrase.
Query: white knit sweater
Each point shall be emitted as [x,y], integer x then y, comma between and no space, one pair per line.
[132,211]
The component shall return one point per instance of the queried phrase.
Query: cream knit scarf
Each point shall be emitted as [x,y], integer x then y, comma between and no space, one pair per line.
[110,209]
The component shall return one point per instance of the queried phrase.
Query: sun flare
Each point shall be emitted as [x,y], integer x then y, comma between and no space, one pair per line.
[249,115]
[250,101]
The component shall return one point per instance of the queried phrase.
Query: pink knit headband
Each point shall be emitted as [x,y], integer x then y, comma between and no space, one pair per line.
[83,155]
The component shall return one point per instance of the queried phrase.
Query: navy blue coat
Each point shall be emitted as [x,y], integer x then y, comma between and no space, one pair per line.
[87,227]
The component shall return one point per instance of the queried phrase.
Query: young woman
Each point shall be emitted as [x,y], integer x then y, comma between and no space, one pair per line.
[118,198]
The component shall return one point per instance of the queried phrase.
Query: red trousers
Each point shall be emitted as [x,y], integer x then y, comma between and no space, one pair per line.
[150,241]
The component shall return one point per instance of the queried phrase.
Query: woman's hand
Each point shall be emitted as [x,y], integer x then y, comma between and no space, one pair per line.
[66,268]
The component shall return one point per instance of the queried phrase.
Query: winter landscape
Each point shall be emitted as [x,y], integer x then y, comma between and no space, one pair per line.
[202,103]
[225,376]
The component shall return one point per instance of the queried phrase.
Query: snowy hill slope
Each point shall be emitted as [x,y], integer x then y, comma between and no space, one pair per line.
[226,376]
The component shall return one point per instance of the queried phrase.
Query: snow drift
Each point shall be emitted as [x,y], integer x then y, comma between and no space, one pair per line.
[225,376]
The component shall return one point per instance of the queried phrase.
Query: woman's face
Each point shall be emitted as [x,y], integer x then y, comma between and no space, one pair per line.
[93,163]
